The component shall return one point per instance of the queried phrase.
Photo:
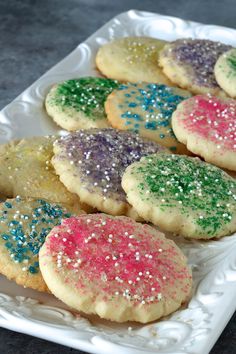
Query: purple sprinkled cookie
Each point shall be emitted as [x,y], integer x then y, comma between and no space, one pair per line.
[91,164]
[190,63]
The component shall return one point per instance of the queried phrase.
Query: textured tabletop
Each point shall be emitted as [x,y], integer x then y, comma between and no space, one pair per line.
[35,35]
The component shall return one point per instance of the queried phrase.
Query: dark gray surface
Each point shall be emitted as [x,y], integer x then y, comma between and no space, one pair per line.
[36,34]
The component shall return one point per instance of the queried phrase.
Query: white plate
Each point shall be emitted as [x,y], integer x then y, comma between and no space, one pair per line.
[191,330]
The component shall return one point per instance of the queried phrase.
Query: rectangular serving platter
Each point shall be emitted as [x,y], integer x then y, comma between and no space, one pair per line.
[191,330]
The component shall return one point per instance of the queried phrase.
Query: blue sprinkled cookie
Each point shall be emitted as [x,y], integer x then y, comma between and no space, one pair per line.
[146,109]
[25,223]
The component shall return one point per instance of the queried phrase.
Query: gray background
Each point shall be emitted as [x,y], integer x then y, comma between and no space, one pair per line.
[36,34]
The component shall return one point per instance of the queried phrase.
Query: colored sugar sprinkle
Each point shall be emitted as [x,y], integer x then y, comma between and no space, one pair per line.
[231,61]
[86,95]
[151,106]
[141,51]
[24,227]
[189,185]
[201,56]
[100,157]
[134,261]
[212,118]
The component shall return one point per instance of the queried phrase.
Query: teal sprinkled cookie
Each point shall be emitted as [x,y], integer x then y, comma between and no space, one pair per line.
[25,223]
[183,195]
[225,72]
[79,103]
[147,109]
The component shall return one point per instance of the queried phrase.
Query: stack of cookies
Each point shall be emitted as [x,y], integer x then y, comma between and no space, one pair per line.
[75,221]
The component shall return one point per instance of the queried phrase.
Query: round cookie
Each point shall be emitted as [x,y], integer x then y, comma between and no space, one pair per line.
[225,72]
[25,224]
[26,170]
[79,103]
[132,59]
[91,162]
[115,267]
[146,109]
[189,63]
[207,125]
[183,195]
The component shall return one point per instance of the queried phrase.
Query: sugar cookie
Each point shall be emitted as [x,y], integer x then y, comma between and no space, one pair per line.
[91,162]
[189,63]
[24,227]
[207,125]
[146,109]
[79,103]
[183,195]
[225,72]
[115,267]
[132,59]
[26,170]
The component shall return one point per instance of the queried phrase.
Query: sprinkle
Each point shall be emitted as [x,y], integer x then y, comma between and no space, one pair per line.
[24,239]
[197,193]
[112,280]
[151,108]
[86,94]
[199,56]
[106,147]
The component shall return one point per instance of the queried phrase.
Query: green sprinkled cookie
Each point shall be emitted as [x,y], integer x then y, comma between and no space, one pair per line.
[79,103]
[25,223]
[183,195]
[225,72]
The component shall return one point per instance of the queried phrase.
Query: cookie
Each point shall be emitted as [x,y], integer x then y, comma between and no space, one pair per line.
[132,59]
[189,63]
[25,224]
[207,125]
[91,162]
[183,195]
[26,170]
[79,103]
[225,72]
[146,109]
[115,267]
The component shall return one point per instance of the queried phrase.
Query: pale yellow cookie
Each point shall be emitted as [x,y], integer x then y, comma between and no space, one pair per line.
[183,195]
[147,109]
[132,59]
[189,63]
[79,103]
[25,224]
[26,170]
[225,72]
[116,268]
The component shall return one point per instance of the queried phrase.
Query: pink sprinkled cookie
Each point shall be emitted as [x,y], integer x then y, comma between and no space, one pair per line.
[207,125]
[115,267]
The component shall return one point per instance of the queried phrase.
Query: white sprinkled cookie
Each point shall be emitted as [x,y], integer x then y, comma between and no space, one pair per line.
[207,125]
[26,170]
[25,224]
[189,63]
[183,195]
[114,267]
[91,162]
[225,72]
[79,103]
[132,59]
[146,109]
